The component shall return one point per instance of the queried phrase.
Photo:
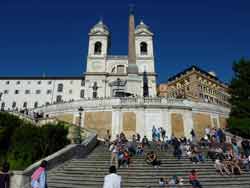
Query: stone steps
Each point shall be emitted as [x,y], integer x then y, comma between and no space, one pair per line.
[90,171]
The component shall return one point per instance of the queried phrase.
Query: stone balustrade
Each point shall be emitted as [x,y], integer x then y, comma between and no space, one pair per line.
[108,103]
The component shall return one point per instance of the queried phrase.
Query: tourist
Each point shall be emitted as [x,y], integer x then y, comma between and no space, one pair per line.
[112,180]
[153,133]
[246,147]
[194,141]
[162,182]
[236,150]
[151,158]
[39,178]
[207,132]
[114,154]
[175,180]
[138,137]
[5,176]
[163,133]
[139,149]
[193,179]
[177,150]
[246,163]
[220,166]
[107,138]
[145,141]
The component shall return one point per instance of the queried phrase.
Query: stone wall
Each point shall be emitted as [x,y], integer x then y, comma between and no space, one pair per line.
[223,122]
[177,125]
[129,123]
[98,121]
[200,122]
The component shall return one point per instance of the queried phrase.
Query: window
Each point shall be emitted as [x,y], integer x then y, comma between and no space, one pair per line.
[27,91]
[120,69]
[71,82]
[39,82]
[25,105]
[2,106]
[14,105]
[47,103]
[35,104]
[18,82]
[38,91]
[6,91]
[60,88]
[16,92]
[59,98]
[70,91]
[49,82]
[144,48]
[95,87]
[29,82]
[98,48]
[82,93]
[49,91]
[7,82]
[83,82]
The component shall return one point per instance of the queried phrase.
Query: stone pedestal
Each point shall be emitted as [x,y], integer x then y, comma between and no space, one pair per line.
[133,85]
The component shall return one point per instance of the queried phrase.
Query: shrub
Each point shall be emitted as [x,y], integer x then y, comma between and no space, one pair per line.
[23,143]
[31,143]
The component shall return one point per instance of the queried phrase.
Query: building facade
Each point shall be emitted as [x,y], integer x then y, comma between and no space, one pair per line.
[105,76]
[197,85]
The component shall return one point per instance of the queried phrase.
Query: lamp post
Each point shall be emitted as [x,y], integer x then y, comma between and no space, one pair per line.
[78,140]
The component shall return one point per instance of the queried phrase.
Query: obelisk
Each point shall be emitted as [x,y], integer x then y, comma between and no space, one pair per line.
[133,80]
[132,67]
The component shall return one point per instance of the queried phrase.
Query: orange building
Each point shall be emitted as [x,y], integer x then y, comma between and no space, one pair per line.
[197,85]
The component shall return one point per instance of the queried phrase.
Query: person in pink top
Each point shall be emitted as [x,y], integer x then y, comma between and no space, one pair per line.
[38,178]
[193,179]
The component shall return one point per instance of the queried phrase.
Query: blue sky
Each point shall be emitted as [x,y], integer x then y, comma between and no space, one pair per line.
[50,36]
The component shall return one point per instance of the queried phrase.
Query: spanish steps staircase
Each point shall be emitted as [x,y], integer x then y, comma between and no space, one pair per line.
[89,172]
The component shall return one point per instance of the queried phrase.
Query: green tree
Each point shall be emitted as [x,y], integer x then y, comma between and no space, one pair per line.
[240,89]
[239,121]
[8,124]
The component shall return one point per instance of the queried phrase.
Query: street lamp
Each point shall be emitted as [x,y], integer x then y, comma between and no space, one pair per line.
[78,140]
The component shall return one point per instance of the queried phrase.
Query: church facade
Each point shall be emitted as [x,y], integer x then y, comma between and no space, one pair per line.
[105,76]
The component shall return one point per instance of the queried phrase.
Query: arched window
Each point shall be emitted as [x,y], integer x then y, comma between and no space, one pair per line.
[98,48]
[95,87]
[60,88]
[144,48]
[35,104]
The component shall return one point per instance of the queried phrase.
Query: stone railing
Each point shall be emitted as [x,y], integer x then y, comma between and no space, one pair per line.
[108,103]
[21,179]
[229,137]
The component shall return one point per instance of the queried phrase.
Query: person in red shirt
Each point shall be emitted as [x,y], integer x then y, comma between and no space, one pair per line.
[193,179]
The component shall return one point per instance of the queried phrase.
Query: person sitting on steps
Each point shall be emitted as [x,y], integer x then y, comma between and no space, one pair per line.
[151,158]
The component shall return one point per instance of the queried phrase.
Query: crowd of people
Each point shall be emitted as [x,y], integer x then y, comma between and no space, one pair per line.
[228,157]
